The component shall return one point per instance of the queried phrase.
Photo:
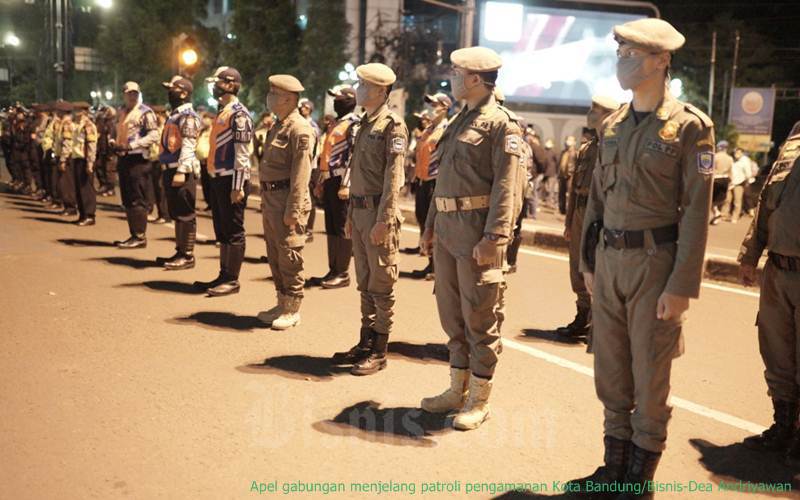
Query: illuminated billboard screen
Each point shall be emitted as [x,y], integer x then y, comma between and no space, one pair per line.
[553,55]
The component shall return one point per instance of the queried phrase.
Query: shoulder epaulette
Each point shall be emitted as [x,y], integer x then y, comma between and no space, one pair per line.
[707,122]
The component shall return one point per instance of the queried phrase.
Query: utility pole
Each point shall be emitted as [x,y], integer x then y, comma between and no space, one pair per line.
[59,66]
[735,61]
[711,77]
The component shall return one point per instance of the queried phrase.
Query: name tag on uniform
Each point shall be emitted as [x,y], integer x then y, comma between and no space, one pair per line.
[662,148]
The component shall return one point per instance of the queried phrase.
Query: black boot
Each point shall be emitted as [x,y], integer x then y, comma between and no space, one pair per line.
[137,223]
[610,474]
[223,259]
[185,235]
[356,353]
[638,482]
[233,265]
[337,281]
[779,436]
[422,273]
[580,325]
[376,361]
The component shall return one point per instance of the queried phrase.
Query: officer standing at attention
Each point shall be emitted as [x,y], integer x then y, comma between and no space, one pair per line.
[229,166]
[62,136]
[181,168]
[652,192]
[79,154]
[576,209]
[137,130]
[377,174]
[285,173]
[337,147]
[775,228]
[470,221]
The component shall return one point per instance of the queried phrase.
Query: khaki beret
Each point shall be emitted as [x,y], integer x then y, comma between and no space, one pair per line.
[80,106]
[377,73]
[130,87]
[605,102]
[63,106]
[476,59]
[286,82]
[655,34]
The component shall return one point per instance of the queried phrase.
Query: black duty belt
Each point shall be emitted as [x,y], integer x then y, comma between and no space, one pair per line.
[365,201]
[635,239]
[275,185]
[784,262]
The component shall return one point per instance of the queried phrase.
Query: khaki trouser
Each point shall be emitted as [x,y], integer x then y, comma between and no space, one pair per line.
[779,331]
[376,271]
[735,194]
[468,298]
[584,301]
[284,246]
[633,350]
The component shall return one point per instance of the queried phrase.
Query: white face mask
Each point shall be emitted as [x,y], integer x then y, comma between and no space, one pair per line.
[457,84]
[362,94]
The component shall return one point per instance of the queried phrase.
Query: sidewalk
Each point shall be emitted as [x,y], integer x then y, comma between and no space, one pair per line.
[547,232]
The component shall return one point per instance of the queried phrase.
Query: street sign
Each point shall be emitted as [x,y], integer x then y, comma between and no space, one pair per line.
[751,112]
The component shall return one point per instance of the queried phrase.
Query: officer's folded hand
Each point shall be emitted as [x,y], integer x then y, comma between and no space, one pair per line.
[426,242]
[344,193]
[747,275]
[485,252]
[348,229]
[379,233]
[178,179]
[318,190]
[671,306]
[237,196]
[62,166]
[89,169]
[290,220]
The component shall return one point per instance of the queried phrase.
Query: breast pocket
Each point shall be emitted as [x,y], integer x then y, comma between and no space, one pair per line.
[656,183]
[469,147]
[278,151]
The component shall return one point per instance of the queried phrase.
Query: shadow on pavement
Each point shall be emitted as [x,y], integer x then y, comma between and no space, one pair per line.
[109,207]
[401,426]
[298,367]
[75,242]
[167,286]
[222,321]
[31,204]
[414,275]
[420,353]
[50,219]
[37,210]
[734,462]
[531,334]
[129,262]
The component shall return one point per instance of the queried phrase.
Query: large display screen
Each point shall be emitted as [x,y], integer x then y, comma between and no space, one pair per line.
[553,56]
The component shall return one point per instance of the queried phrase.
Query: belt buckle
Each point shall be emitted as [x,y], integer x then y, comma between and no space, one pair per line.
[617,235]
[466,203]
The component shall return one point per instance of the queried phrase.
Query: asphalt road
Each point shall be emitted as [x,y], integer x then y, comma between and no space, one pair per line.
[119,380]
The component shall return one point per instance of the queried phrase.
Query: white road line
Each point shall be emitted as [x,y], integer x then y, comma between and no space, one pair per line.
[677,402]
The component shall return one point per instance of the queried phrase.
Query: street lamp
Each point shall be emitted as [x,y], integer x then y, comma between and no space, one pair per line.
[104,4]
[189,57]
[109,95]
[11,39]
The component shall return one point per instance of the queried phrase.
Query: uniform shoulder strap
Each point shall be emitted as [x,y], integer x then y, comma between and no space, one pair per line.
[707,122]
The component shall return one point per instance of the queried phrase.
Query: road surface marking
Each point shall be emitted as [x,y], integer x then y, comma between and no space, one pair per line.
[684,404]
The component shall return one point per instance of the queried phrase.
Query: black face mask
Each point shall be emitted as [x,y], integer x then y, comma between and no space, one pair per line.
[218,92]
[343,106]
[175,99]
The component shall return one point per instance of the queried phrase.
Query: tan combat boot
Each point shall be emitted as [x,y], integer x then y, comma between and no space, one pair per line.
[451,399]
[270,315]
[476,411]
[290,315]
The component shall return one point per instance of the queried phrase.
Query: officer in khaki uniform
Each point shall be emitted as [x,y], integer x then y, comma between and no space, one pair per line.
[652,190]
[285,172]
[775,228]
[373,222]
[472,214]
[576,209]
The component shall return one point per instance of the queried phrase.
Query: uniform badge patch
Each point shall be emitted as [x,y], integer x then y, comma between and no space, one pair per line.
[705,163]
[669,132]
[398,145]
[303,142]
[512,145]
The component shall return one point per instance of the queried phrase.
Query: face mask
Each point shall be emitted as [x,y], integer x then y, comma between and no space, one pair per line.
[218,92]
[630,72]
[362,95]
[343,106]
[175,100]
[457,84]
